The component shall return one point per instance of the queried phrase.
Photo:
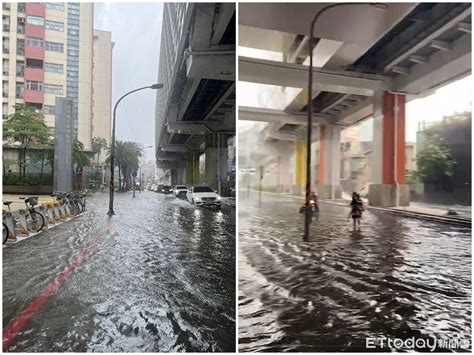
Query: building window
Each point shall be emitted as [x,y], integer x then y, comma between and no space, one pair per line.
[54,26]
[20,46]
[35,20]
[54,67]
[34,42]
[20,68]
[54,46]
[20,28]
[48,109]
[34,85]
[55,6]
[34,63]
[21,7]
[20,89]
[72,53]
[53,89]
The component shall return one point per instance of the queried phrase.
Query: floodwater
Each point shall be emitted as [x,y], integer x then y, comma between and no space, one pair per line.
[396,278]
[160,278]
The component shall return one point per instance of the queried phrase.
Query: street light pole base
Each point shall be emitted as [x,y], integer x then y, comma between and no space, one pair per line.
[111,213]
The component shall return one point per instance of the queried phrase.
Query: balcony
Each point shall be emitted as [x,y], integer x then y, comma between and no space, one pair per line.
[20,72]
[34,74]
[6,6]
[35,9]
[34,97]
[5,92]
[34,52]
[20,29]
[6,49]
[6,28]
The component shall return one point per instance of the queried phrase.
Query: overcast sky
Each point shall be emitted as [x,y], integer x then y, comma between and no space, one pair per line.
[136,31]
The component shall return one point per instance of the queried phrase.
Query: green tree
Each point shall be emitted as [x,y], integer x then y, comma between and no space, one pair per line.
[127,157]
[434,161]
[98,145]
[26,129]
[79,157]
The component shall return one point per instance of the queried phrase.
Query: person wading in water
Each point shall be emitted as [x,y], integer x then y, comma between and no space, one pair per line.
[357,207]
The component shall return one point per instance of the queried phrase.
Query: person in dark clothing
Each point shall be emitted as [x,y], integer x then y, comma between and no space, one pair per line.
[357,207]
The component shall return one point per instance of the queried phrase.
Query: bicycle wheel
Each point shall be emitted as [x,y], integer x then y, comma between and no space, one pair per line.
[83,206]
[75,209]
[5,233]
[35,221]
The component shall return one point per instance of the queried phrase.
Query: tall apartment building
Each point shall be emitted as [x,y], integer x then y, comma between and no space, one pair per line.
[48,52]
[102,86]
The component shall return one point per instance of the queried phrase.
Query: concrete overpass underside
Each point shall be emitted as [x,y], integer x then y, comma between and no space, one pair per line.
[368,63]
[196,116]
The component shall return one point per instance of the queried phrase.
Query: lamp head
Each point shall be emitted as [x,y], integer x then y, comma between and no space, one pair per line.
[379,5]
[156,86]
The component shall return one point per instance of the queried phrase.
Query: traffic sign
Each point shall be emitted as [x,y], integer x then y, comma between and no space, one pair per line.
[134,174]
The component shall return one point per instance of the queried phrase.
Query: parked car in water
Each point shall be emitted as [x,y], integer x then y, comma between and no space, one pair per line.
[159,187]
[180,190]
[166,189]
[203,196]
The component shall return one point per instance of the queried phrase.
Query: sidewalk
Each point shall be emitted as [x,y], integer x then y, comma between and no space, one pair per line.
[415,210]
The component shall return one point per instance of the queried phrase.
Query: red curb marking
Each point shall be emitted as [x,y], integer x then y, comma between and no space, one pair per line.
[16,325]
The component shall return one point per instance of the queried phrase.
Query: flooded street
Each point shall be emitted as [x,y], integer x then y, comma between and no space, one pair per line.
[159,276]
[397,277]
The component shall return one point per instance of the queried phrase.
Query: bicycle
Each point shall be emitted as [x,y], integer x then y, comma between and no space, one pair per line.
[34,220]
[7,214]
[75,203]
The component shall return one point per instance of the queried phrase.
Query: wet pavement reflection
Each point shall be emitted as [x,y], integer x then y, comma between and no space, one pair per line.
[161,279]
[397,277]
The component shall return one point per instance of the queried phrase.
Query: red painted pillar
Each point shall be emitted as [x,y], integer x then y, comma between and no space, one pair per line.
[393,169]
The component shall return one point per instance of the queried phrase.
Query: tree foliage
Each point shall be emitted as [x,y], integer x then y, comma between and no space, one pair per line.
[98,145]
[127,157]
[27,130]
[434,161]
[79,157]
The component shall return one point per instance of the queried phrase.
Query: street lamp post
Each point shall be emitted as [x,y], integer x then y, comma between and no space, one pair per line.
[112,150]
[380,6]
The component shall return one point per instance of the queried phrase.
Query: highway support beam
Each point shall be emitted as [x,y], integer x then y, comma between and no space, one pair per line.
[388,188]
[329,170]
[216,153]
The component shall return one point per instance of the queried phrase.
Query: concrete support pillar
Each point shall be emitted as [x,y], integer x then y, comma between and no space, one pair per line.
[388,186]
[216,153]
[174,177]
[329,172]
[300,167]
[180,176]
[192,168]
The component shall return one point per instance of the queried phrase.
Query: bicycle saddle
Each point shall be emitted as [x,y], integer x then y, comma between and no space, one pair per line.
[7,203]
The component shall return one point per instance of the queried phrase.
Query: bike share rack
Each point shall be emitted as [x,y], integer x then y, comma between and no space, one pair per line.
[54,214]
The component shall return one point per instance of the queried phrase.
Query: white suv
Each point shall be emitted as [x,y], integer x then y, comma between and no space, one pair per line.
[180,190]
[203,196]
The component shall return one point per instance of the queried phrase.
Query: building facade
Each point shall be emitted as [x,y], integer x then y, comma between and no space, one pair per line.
[48,53]
[102,47]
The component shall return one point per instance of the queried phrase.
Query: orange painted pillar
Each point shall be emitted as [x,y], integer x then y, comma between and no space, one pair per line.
[393,166]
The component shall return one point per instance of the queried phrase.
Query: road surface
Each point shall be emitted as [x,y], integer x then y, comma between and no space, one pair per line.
[397,278]
[158,276]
